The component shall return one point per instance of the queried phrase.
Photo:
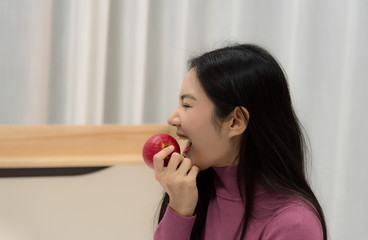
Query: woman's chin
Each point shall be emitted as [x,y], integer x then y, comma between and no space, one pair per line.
[195,162]
[199,165]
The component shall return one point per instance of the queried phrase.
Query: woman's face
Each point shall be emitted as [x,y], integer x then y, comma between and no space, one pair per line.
[209,145]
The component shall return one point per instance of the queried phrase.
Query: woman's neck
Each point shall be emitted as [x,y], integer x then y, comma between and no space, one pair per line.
[225,182]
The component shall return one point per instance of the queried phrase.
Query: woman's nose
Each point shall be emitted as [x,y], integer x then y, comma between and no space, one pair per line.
[173,119]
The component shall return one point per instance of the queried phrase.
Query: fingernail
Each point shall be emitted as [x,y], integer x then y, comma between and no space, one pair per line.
[171,147]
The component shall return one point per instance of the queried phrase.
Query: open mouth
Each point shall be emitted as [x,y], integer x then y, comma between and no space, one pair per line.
[188,144]
[187,148]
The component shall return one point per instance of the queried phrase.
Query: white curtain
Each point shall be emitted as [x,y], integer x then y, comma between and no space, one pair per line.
[103,62]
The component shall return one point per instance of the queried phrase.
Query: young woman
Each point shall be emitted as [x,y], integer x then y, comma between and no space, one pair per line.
[241,175]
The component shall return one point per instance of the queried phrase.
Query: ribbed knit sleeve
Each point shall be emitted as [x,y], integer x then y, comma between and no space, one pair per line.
[174,226]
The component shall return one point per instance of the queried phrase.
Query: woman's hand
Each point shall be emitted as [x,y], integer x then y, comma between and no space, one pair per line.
[178,179]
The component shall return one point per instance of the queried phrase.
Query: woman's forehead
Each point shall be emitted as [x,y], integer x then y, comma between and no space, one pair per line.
[191,87]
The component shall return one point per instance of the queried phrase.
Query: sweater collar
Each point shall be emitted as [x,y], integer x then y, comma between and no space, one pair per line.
[225,182]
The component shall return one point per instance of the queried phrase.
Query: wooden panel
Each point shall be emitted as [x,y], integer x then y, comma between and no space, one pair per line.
[74,146]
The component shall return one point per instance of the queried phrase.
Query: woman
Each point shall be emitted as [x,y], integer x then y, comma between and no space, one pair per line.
[242,173]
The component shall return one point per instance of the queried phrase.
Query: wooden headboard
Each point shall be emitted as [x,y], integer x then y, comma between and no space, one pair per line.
[53,146]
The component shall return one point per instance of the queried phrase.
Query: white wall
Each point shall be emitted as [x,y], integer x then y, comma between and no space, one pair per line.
[115,203]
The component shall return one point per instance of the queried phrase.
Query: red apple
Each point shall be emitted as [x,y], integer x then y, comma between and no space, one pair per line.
[155,144]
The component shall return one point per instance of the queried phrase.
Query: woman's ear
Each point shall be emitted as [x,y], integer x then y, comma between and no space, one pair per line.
[238,121]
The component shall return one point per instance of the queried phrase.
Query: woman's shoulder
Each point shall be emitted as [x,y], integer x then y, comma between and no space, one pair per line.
[285,217]
[297,219]
[296,211]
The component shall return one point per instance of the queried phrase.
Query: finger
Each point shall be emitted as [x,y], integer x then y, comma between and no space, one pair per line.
[193,172]
[185,166]
[174,162]
[158,158]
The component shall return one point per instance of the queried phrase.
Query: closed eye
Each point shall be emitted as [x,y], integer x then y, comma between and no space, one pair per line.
[184,102]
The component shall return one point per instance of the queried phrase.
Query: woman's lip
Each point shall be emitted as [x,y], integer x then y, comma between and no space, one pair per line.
[181,135]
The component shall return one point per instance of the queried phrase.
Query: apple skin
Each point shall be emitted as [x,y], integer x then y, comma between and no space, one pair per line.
[155,144]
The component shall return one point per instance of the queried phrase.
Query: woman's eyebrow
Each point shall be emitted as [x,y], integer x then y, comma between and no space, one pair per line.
[182,97]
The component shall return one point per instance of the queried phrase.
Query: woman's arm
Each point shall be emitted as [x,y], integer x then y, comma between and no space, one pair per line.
[174,226]
[179,181]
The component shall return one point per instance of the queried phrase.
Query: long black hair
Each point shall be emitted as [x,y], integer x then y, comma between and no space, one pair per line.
[272,149]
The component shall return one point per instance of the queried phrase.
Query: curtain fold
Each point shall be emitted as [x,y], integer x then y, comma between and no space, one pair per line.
[122,62]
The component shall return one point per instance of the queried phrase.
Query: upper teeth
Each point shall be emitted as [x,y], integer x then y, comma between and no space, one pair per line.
[185,138]
[182,137]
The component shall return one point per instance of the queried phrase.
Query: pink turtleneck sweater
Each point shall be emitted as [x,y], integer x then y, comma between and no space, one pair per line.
[276,217]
